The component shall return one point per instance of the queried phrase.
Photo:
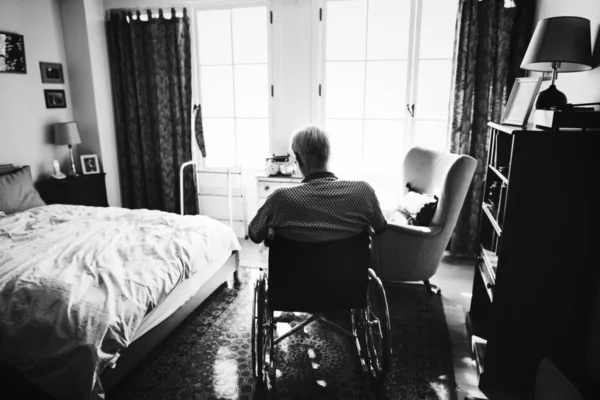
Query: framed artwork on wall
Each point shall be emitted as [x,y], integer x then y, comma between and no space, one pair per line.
[12,53]
[89,164]
[55,98]
[520,101]
[51,72]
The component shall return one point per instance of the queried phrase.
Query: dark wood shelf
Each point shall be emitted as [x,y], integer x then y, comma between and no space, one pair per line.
[499,174]
[487,209]
[534,286]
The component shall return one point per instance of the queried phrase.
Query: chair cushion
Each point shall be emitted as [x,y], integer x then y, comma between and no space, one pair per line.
[17,192]
[416,208]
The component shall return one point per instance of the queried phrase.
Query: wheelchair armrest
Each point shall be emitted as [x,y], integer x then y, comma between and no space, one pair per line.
[412,230]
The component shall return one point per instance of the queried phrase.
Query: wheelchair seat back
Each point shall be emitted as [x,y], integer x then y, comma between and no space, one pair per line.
[311,277]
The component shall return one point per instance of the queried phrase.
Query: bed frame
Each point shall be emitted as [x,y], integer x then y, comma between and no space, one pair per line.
[132,355]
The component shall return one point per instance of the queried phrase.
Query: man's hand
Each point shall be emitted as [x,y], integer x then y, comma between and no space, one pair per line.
[270,236]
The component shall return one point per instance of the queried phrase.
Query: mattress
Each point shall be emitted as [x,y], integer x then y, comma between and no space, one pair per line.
[79,284]
[178,297]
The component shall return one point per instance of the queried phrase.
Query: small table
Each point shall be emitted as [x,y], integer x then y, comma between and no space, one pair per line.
[83,190]
[266,184]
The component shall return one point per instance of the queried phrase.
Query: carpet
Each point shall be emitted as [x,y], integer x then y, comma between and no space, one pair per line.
[209,355]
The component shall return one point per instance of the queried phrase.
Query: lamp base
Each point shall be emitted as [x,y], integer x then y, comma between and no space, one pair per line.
[551,99]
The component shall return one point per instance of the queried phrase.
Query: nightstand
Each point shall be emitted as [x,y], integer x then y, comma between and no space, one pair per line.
[83,190]
[267,185]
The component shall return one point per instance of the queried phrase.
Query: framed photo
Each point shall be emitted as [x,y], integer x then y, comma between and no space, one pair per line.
[520,101]
[55,98]
[51,72]
[12,53]
[89,164]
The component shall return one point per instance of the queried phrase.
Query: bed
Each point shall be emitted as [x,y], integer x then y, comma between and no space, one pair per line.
[87,292]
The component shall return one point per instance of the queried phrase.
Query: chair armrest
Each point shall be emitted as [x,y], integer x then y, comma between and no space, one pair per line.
[412,230]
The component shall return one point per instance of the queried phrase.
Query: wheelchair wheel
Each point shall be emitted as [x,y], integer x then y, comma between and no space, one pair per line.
[262,337]
[377,329]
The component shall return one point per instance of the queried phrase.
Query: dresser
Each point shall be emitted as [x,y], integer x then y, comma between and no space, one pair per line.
[268,184]
[83,190]
[536,277]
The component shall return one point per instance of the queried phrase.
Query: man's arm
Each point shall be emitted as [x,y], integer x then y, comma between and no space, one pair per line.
[378,221]
[258,230]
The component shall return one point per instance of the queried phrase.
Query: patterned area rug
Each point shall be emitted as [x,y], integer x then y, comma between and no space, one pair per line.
[209,355]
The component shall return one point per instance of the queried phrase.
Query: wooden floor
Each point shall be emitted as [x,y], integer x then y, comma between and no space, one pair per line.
[454,278]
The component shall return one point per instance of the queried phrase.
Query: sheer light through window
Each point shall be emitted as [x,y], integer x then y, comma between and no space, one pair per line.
[233,80]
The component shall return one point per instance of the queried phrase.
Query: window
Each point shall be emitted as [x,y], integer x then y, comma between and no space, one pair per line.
[381,57]
[233,84]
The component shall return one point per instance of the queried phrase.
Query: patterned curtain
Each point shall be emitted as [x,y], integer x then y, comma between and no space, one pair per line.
[150,63]
[491,39]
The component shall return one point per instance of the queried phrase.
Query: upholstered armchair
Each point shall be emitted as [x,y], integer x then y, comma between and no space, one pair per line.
[413,253]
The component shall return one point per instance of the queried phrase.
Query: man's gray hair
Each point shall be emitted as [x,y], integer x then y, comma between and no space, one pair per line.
[312,145]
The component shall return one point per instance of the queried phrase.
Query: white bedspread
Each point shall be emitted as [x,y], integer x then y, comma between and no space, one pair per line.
[76,282]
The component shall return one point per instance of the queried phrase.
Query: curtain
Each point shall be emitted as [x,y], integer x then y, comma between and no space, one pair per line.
[150,64]
[491,40]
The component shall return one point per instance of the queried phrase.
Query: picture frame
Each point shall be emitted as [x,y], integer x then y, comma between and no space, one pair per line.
[520,102]
[12,53]
[89,164]
[55,98]
[51,72]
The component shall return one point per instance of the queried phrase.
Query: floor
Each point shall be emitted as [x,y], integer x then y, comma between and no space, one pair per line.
[454,278]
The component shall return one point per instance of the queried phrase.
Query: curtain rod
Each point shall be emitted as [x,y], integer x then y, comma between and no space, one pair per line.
[156,12]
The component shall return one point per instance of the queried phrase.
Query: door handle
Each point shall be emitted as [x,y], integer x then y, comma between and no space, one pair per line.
[411,109]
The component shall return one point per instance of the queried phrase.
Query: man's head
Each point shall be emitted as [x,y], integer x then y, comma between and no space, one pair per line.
[311,149]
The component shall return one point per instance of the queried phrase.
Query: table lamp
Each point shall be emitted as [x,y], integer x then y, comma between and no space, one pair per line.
[558,44]
[67,133]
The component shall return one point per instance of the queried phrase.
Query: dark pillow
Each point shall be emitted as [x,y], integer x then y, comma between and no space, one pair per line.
[17,192]
[418,208]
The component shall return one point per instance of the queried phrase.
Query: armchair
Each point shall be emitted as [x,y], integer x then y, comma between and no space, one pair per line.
[413,253]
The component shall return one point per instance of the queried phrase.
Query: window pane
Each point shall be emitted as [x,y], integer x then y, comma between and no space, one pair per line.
[219,138]
[253,142]
[345,89]
[437,28]
[216,88]
[432,134]
[383,147]
[433,90]
[386,89]
[249,35]
[346,137]
[346,30]
[251,91]
[214,37]
[389,25]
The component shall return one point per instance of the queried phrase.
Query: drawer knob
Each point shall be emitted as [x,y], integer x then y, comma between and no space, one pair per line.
[266,188]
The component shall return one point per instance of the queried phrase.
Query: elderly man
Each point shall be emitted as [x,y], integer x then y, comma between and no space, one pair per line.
[322,207]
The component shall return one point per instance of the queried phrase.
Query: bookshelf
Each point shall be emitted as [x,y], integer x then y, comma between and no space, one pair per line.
[535,281]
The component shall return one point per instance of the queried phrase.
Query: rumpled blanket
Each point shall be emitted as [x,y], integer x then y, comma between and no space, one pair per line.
[76,283]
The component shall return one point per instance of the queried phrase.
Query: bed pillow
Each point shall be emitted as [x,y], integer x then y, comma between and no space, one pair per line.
[17,192]
[416,208]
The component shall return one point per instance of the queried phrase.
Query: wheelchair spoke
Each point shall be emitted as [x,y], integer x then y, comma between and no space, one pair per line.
[377,332]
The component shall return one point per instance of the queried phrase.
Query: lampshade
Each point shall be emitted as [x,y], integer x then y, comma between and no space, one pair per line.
[564,40]
[66,133]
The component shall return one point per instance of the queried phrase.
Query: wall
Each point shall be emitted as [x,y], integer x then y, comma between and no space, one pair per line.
[87,56]
[25,122]
[579,87]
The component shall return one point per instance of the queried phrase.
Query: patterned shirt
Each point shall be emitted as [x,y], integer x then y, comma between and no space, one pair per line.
[321,208]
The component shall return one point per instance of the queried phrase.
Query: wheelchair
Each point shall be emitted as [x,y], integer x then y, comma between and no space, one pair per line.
[319,277]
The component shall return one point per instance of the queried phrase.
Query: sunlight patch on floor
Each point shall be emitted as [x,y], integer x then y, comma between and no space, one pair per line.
[225,374]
